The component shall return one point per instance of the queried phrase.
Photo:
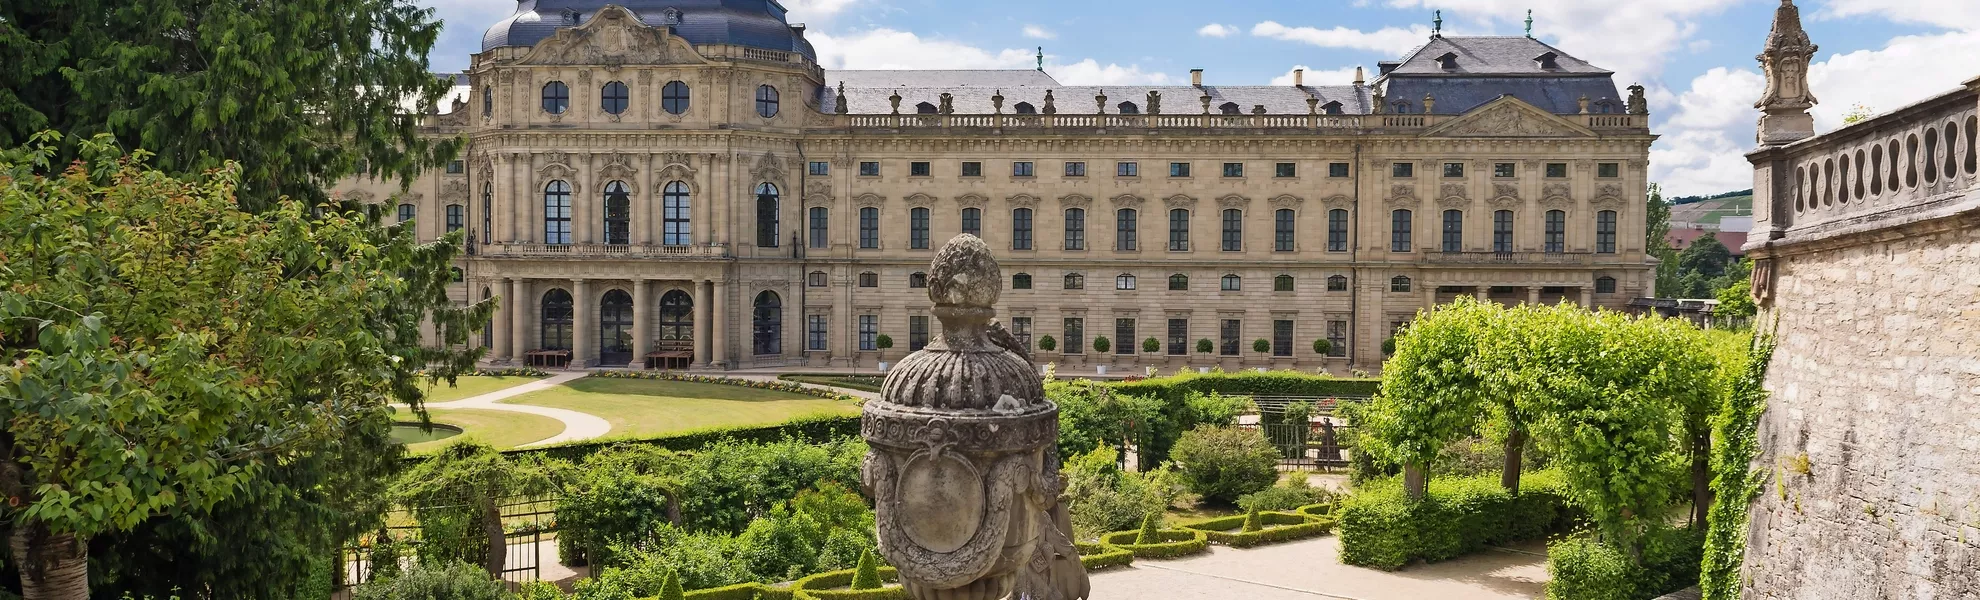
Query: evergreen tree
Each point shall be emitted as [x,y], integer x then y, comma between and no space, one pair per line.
[1150,529]
[670,587]
[1251,520]
[866,576]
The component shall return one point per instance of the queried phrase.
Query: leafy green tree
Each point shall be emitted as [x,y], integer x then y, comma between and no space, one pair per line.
[1151,346]
[1102,344]
[300,92]
[1323,346]
[170,360]
[1261,345]
[1706,257]
[1151,532]
[1430,395]
[1205,346]
[1657,240]
[462,487]
[1251,521]
[1224,463]
[1736,302]
[1048,344]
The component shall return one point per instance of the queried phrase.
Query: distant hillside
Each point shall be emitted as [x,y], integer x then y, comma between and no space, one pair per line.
[1692,199]
[1707,211]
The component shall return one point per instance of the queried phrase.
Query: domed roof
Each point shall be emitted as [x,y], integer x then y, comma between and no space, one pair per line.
[754,23]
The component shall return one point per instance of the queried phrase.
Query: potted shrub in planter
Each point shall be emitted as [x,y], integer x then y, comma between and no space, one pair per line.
[883,342]
[1262,346]
[1205,346]
[1101,346]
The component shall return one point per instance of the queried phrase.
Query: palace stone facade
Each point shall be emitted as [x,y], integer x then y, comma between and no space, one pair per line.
[681,179]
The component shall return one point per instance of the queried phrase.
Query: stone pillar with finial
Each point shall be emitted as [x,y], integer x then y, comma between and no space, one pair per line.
[896,101]
[1049,108]
[1785,105]
[961,460]
[839,102]
[1429,104]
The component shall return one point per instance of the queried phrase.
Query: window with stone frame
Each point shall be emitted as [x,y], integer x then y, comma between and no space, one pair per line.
[917,280]
[815,279]
[1337,230]
[1282,337]
[1399,284]
[918,228]
[1556,231]
[767,324]
[1399,230]
[819,168]
[869,333]
[766,101]
[1075,229]
[869,168]
[1283,222]
[1021,281]
[1402,170]
[456,167]
[1454,170]
[972,169]
[1505,170]
[618,214]
[1127,169]
[1075,281]
[1124,282]
[556,97]
[1282,283]
[767,216]
[406,212]
[1337,333]
[820,227]
[1124,340]
[1608,170]
[1023,168]
[1227,337]
[1337,283]
[1233,232]
[1021,229]
[1179,230]
[1179,283]
[1179,169]
[1178,337]
[1075,169]
[1557,170]
[676,215]
[1605,232]
[919,168]
[869,279]
[1605,285]
[869,228]
[456,217]
[917,332]
[555,321]
[1285,170]
[674,97]
[614,97]
[1021,329]
[1502,232]
[1337,170]
[816,333]
[1233,283]
[1075,332]
[972,221]
[1233,169]
[557,213]
[1126,221]
[1453,231]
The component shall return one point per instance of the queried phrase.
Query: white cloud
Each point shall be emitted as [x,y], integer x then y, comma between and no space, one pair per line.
[1341,76]
[1091,72]
[1719,99]
[1950,14]
[1702,151]
[1216,30]
[1900,73]
[1634,39]
[1038,33]
[1388,39]
[801,11]
[892,49]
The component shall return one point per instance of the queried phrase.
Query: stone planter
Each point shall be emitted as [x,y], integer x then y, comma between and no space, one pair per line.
[1100,370]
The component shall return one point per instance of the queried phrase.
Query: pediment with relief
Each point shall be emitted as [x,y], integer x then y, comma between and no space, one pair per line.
[614,36]
[1509,117]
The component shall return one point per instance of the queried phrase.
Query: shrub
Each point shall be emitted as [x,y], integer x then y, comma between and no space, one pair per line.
[1323,346]
[1224,463]
[1381,528]
[1048,344]
[1103,498]
[1151,345]
[1389,346]
[671,588]
[810,429]
[867,575]
[1251,522]
[538,590]
[883,341]
[1100,556]
[1174,543]
[733,483]
[824,586]
[1100,344]
[1583,567]
[1270,527]
[616,496]
[436,581]
[1205,346]
[1261,345]
[1291,495]
[1150,529]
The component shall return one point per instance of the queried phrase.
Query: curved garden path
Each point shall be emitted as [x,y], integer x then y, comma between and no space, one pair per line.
[577,426]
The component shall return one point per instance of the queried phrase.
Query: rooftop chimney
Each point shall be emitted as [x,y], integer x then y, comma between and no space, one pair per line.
[1299,77]
[1359,78]
[1196,77]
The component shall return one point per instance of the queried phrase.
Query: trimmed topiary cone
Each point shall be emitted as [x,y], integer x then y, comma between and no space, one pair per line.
[1150,530]
[1252,522]
[866,576]
[670,587]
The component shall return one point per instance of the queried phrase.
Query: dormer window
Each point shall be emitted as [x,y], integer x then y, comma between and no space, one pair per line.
[1548,61]
[1400,107]
[671,16]
[1128,108]
[1332,108]
[1025,108]
[1448,61]
[924,109]
[1606,107]
[570,17]
[1230,108]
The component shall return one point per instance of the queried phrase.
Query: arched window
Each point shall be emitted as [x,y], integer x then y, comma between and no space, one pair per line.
[456,217]
[613,98]
[924,109]
[1075,281]
[1453,231]
[1605,285]
[767,324]
[676,315]
[766,215]
[1283,224]
[1179,283]
[1075,229]
[556,97]
[557,320]
[869,279]
[1025,108]
[1021,229]
[1399,230]
[1605,232]
[1399,284]
[487,101]
[1337,230]
[676,215]
[1128,108]
[618,214]
[674,97]
[1126,221]
[1556,231]
[766,101]
[406,212]
[1179,230]
[1233,283]
[972,221]
[1021,281]
[1230,108]
[917,280]
[1502,232]
[918,228]
[1233,230]
[487,212]
[820,226]
[869,228]
[615,328]
[1337,283]
[1124,282]
[1282,283]
[557,213]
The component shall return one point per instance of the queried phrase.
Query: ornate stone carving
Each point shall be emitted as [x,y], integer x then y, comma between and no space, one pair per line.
[618,167]
[1505,194]
[359,196]
[971,201]
[1556,195]
[557,167]
[869,200]
[1286,201]
[1402,193]
[455,191]
[961,461]
[1128,201]
[1608,195]
[1233,201]
[818,188]
[1452,195]
[1075,201]
[768,169]
[1024,201]
[613,37]
[1049,108]
[1508,118]
[919,200]
[1338,201]
[675,167]
[1154,102]
[1179,201]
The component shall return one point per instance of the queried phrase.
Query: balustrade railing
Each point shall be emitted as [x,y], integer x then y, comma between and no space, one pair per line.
[1918,155]
[530,250]
[1195,121]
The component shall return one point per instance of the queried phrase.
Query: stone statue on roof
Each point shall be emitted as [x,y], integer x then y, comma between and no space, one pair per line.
[1785,62]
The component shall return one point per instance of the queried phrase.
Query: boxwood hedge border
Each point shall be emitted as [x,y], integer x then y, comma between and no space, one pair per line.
[822,586]
[1175,543]
[1278,527]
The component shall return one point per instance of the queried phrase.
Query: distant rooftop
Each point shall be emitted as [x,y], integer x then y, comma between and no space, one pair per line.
[940,79]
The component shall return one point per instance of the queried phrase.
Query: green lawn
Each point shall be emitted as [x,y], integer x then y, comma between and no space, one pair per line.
[468,387]
[647,407]
[864,383]
[496,428]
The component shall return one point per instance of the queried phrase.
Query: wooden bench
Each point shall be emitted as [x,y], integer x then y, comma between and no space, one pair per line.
[547,358]
[671,355]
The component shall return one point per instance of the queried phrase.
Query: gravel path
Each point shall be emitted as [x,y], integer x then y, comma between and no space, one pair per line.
[577,426]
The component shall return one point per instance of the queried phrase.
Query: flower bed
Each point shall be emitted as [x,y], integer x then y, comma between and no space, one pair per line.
[780,386]
[1175,542]
[826,586]
[511,372]
[1095,557]
[1278,527]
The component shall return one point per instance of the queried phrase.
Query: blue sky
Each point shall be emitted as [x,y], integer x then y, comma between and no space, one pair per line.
[1695,56]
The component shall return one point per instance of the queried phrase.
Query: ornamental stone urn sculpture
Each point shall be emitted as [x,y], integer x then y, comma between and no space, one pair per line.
[962,464]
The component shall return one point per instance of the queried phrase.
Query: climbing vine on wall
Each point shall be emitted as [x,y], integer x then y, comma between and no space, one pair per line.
[1736,425]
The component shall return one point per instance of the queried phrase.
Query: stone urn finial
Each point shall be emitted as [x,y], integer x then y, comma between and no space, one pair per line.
[895,99]
[839,102]
[997,102]
[1100,101]
[1049,108]
[961,459]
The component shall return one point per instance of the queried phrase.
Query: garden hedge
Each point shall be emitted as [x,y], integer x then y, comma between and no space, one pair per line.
[1095,557]
[1249,383]
[781,386]
[840,380]
[741,591]
[1582,567]
[1175,542]
[1322,509]
[813,429]
[1382,528]
[1279,527]
[822,587]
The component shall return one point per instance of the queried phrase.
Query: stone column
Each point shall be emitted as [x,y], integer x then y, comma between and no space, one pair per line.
[642,210]
[1532,294]
[1429,295]
[642,342]
[518,196]
[582,326]
[499,330]
[719,334]
[518,323]
[704,326]
[587,204]
[1587,297]
[1483,293]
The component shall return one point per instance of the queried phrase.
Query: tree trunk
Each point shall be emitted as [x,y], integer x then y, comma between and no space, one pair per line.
[1416,483]
[498,538]
[1515,446]
[53,567]
[1701,479]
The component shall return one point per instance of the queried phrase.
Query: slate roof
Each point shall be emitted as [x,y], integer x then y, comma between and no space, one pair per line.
[975,99]
[992,78]
[754,23]
[1492,66]
[1495,55]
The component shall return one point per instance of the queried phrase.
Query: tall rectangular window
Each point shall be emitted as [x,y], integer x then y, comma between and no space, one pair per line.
[869,228]
[1023,168]
[1178,169]
[1399,224]
[972,169]
[972,221]
[1178,337]
[918,229]
[1233,230]
[819,226]
[1556,231]
[1125,222]
[1605,232]
[1075,169]
[1075,229]
[1124,342]
[1127,169]
[1021,229]
[1337,338]
[917,332]
[1282,338]
[676,220]
[814,332]
[1179,230]
[456,217]
[1227,337]
[1075,342]
[1021,329]
[1337,230]
[1502,231]
[869,333]
[1282,230]
[557,213]
[1453,231]
[767,219]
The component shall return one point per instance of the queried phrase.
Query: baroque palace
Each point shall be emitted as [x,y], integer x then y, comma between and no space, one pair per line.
[678,183]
